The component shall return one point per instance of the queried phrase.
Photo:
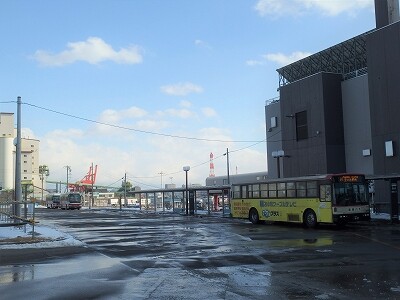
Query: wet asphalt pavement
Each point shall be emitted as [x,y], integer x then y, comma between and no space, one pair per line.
[131,255]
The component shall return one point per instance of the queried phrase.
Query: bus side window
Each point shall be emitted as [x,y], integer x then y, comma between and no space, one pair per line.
[282,190]
[312,189]
[272,190]
[236,191]
[249,191]
[264,190]
[301,189]
[256,191]
[290,190]
[325,193]
[244,191]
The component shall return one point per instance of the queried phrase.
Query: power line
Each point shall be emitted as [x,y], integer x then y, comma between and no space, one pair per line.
[149,132]
[198,165]
[142,183]
[133,129]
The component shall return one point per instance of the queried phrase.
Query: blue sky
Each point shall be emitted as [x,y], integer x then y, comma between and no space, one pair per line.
[176,79]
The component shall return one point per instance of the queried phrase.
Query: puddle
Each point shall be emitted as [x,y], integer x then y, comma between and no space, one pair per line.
[55,268]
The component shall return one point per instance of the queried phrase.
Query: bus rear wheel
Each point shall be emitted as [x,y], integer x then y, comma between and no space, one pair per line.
[253,216]
[310,219]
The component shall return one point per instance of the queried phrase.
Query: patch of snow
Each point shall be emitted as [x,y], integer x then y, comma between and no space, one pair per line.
[53,238]
[380,216]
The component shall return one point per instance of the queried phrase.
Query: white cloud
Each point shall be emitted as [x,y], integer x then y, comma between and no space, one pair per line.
[112,116]
[279,8]
[202,44]
[283,60]
[145,157]
[279,58]
[335,7]
[94,50]
[180,113]
[185,103]
[151,125]
[117,151]
[255,63]
[181,89]
[275,8]
[27,133]
[209,112]
[213,133]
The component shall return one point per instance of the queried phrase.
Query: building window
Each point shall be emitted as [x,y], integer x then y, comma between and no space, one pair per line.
[301,126]
[389,148]
[274,122]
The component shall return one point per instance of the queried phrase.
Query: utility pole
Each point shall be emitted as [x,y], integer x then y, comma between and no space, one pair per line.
[186,169]
[17,143]
[162,193]
[125,201]
[227,164]
[228,182]
[43,172]
[68,172]
[92,200]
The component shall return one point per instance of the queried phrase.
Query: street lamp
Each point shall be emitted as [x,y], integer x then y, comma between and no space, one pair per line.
[43,172]
[161,173]
[186,169]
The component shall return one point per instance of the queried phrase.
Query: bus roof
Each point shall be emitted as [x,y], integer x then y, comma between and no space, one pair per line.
[302,178]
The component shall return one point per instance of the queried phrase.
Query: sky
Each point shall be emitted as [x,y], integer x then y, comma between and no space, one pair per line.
[146,87]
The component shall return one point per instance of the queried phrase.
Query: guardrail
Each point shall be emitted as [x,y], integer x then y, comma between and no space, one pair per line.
[8,216]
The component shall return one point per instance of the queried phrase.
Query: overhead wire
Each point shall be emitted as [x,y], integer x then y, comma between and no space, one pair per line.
[134,129]
[148,132]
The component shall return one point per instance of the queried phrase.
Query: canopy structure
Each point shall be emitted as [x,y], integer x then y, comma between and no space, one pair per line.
[348,58]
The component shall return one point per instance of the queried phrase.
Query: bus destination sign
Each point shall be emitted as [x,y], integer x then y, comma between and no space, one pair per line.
[349,178]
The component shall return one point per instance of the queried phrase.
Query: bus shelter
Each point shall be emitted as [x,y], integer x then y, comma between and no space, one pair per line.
[189,201]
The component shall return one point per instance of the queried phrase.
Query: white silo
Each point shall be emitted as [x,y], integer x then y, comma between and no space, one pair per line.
[6,163]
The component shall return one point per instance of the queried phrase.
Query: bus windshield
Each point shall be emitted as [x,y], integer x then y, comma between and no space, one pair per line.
[348,194]
[74,198]
[56,198]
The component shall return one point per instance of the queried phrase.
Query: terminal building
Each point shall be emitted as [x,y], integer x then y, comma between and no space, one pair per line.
[339,109]
[29,156]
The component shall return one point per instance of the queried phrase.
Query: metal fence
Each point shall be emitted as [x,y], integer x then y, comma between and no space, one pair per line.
[17,213]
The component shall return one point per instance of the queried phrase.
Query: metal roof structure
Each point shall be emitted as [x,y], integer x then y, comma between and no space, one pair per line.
[348,58]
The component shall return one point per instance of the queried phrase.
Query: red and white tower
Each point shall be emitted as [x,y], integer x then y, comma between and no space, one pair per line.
[212,174]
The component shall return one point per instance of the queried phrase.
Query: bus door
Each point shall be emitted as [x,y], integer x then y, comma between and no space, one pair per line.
[240,205]
[325,205]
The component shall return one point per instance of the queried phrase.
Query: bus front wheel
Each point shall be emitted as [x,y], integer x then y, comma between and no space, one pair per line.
[253,216]
[310,219]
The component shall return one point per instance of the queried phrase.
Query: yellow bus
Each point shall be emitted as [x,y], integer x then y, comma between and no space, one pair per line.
[332,199]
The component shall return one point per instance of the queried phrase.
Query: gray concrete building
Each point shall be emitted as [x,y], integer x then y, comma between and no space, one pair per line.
[339,109]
